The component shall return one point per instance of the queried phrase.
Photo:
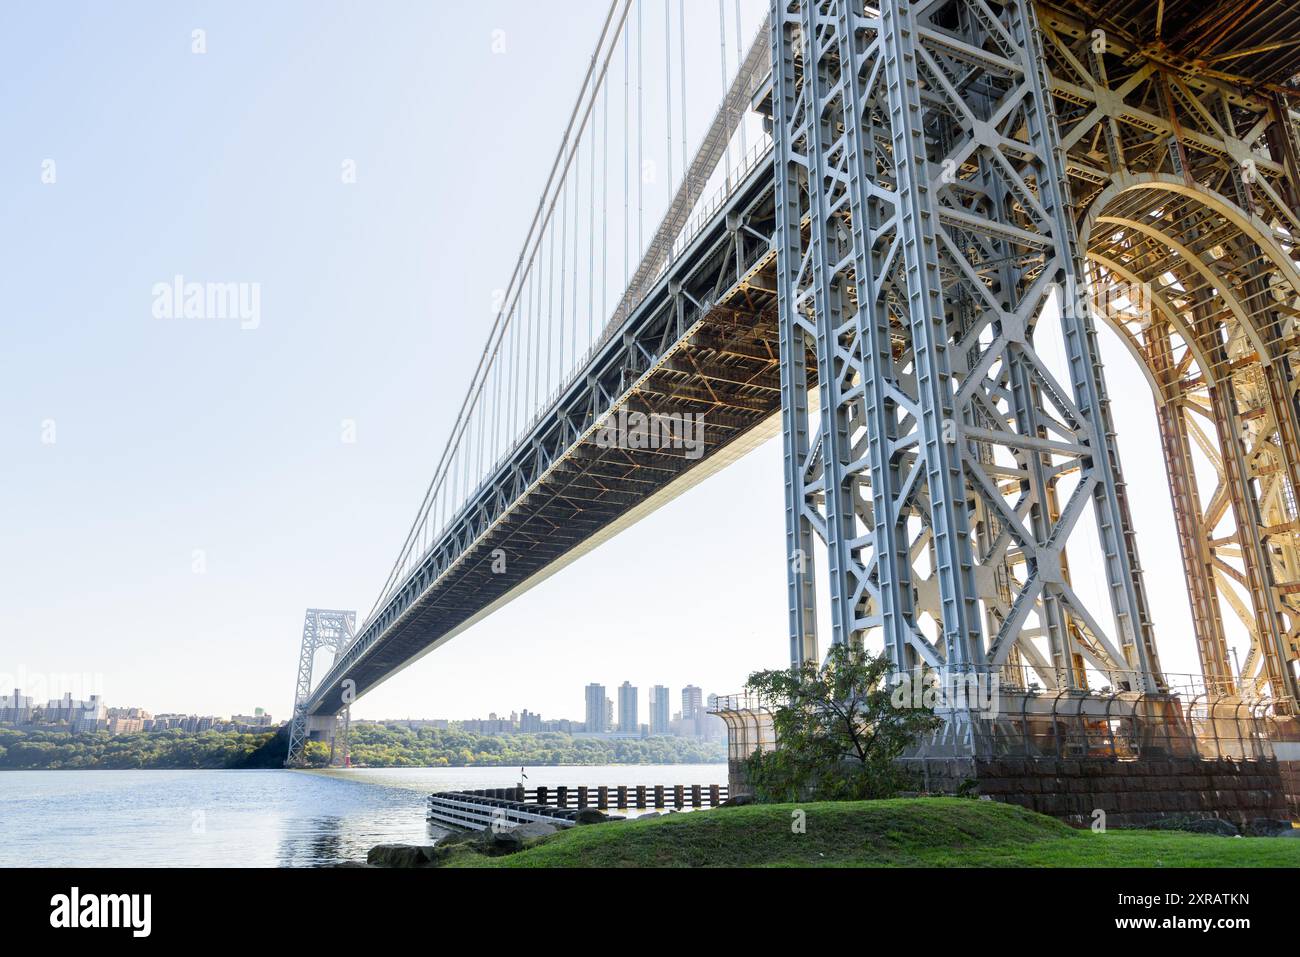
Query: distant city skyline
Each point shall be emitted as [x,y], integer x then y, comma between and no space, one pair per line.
[93,713]
[660,709]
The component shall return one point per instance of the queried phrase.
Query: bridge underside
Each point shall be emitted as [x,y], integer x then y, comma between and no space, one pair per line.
[700,352]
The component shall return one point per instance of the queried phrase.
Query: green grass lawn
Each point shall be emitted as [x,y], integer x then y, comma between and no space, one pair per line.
[929,832]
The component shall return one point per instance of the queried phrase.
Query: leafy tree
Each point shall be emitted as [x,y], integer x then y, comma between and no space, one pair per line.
[838,733]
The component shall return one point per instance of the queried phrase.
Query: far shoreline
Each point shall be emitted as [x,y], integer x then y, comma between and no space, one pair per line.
[398,767]
[377,747]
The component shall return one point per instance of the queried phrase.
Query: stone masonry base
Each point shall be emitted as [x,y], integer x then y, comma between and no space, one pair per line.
[1132,793]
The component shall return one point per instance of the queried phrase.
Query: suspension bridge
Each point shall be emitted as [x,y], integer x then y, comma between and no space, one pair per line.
[893,209]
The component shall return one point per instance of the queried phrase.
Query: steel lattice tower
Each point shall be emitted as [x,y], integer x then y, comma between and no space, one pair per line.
[950,466]
[331,630]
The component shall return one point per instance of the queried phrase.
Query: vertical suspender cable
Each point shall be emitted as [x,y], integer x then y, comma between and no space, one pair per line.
[627,152]
[512,393]
[480,412]
[681,54]
[604,207]
[573,305]
[591,242]
[550,312]
[668,84]
[530,351]
[740,58]
[722,35]
[640,130]
[564,275]
[496,413]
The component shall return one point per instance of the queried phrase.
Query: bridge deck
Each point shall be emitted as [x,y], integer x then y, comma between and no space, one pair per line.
[703,342]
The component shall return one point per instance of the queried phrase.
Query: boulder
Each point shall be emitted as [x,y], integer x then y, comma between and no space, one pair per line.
[506,841]
[400,855]
[589,815]
[1206,825]
[1212,825]
[534,830]
[457,838]
[1268,827]
[739,800]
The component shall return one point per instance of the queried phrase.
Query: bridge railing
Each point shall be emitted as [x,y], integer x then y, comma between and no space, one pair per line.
[638,796]
[492,807]
[1185,720]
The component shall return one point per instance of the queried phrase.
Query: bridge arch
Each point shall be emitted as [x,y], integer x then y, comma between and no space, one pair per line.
[1156,224]
[1205,296]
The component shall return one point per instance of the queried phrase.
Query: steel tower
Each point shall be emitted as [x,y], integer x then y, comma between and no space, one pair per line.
[331,630]
[925,241]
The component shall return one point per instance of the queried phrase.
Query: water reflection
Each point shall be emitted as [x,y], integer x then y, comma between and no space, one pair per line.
[251,818]
[322,844]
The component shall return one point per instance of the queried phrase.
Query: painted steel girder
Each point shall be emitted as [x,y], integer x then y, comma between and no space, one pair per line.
[796,444]
[1198,215]
[1108,91]
[937,230]
[1203,362]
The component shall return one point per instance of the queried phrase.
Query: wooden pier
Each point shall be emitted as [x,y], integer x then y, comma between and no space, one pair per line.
[497,807]
[511,807]
[640,797]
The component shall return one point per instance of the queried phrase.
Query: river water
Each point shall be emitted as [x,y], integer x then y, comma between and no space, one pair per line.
[253,818]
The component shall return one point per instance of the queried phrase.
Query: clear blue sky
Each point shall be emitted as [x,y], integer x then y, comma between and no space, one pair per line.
[180,436]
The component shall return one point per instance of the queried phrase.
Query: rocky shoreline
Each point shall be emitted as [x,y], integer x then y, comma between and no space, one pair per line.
[493,842]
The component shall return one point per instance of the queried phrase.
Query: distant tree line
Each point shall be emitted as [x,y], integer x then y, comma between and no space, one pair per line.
[372,745]
[398,746]
[170,749]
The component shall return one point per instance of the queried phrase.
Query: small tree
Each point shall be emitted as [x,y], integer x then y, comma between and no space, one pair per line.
[838,733]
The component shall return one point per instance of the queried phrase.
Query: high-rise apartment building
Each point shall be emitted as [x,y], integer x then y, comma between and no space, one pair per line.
[628,722]
[597,712]
[692,702]
[16,708]
[659,710]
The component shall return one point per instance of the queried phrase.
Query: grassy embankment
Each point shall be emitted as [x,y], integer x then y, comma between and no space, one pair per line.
[932,832]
